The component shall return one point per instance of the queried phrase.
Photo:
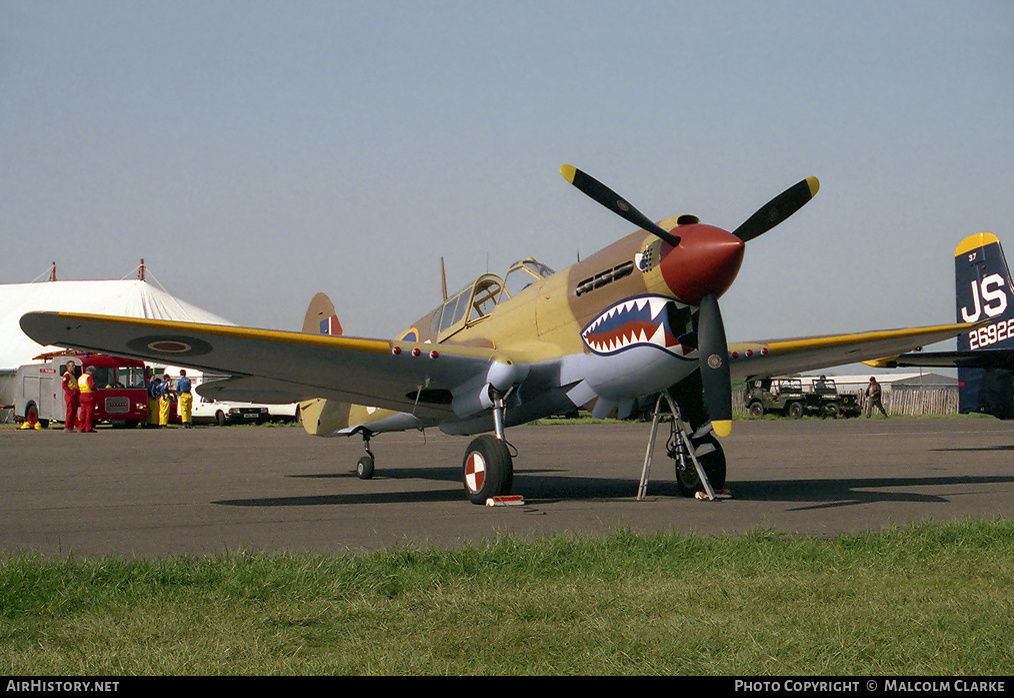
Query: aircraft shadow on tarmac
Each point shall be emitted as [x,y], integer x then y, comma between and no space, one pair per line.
[542,487]
[975,448]
[535,485]
[826,494]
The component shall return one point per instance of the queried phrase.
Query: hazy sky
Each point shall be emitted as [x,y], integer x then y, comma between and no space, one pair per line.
[256,152]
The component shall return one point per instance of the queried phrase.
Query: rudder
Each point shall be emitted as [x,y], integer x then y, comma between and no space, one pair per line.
[983,292]
[321,317]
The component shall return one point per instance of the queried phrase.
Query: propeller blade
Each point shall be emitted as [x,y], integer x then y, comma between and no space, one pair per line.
[714,360]
[614,202]
[778,209]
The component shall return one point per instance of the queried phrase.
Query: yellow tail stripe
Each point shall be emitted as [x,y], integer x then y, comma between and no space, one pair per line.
[974,242]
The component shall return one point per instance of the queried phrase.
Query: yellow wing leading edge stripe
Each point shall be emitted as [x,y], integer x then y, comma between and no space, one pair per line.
[804,343]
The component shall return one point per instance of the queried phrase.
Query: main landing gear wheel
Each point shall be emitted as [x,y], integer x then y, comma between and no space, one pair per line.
[713,462]
[487,469]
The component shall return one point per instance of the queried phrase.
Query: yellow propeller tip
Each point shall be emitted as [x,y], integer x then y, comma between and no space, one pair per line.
[722,427]
[568,172]
[814,185]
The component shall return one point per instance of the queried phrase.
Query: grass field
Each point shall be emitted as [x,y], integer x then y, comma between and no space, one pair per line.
[923,600]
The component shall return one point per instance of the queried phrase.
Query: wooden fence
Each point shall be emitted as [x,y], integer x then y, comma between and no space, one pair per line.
[918,402]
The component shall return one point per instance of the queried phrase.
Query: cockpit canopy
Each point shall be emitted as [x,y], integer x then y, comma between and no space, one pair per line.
[523,274]
[475,302]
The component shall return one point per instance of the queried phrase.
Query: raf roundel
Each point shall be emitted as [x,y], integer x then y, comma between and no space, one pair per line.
[167,345]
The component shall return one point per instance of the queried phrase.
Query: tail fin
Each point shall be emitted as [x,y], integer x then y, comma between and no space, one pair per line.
[321,416]
[321,317]
[983,291]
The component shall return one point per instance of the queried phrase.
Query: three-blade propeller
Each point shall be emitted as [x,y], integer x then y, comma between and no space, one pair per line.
[712,347]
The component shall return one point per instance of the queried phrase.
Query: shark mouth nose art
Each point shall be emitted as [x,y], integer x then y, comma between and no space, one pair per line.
[639,321]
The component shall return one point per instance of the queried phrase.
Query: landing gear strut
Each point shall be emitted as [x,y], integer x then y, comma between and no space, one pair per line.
[364,468]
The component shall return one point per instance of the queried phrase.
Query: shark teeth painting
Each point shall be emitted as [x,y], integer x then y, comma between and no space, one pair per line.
[638,321]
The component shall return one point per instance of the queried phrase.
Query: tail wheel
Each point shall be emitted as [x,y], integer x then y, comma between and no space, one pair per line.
[713,462]
[364,468]
[487,469]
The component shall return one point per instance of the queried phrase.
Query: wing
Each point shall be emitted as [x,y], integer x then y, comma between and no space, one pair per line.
[285,366]
[782,356]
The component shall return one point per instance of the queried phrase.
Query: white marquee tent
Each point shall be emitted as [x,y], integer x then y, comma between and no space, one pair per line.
[132,298]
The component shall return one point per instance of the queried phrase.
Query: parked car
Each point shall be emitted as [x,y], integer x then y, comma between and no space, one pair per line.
[222,412]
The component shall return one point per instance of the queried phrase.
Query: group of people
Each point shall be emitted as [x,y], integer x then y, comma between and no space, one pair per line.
[161,395]
[79,397]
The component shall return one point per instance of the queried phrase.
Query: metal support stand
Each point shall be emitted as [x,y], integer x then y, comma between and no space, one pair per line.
[686,449]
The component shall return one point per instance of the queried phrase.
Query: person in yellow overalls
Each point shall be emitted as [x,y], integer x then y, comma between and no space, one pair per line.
[164,401]
[186,399]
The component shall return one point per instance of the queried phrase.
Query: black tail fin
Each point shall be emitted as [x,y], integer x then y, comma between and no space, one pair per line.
[984,292]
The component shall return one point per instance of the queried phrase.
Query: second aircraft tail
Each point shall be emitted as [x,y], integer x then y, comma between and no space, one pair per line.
[983,292]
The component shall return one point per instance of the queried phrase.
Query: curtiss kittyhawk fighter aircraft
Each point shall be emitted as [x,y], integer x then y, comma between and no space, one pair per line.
[638,318]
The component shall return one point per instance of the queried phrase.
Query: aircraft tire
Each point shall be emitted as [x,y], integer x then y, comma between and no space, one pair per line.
[364,468]
[487,469]
[713,463]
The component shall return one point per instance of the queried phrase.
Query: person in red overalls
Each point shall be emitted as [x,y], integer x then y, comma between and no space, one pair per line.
[71,397]
[87,386]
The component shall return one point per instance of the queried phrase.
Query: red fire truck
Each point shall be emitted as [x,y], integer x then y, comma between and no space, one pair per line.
[121,397]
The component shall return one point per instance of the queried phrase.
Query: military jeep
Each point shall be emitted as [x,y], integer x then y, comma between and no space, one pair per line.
[793,398]
[828,402]
[783,396]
